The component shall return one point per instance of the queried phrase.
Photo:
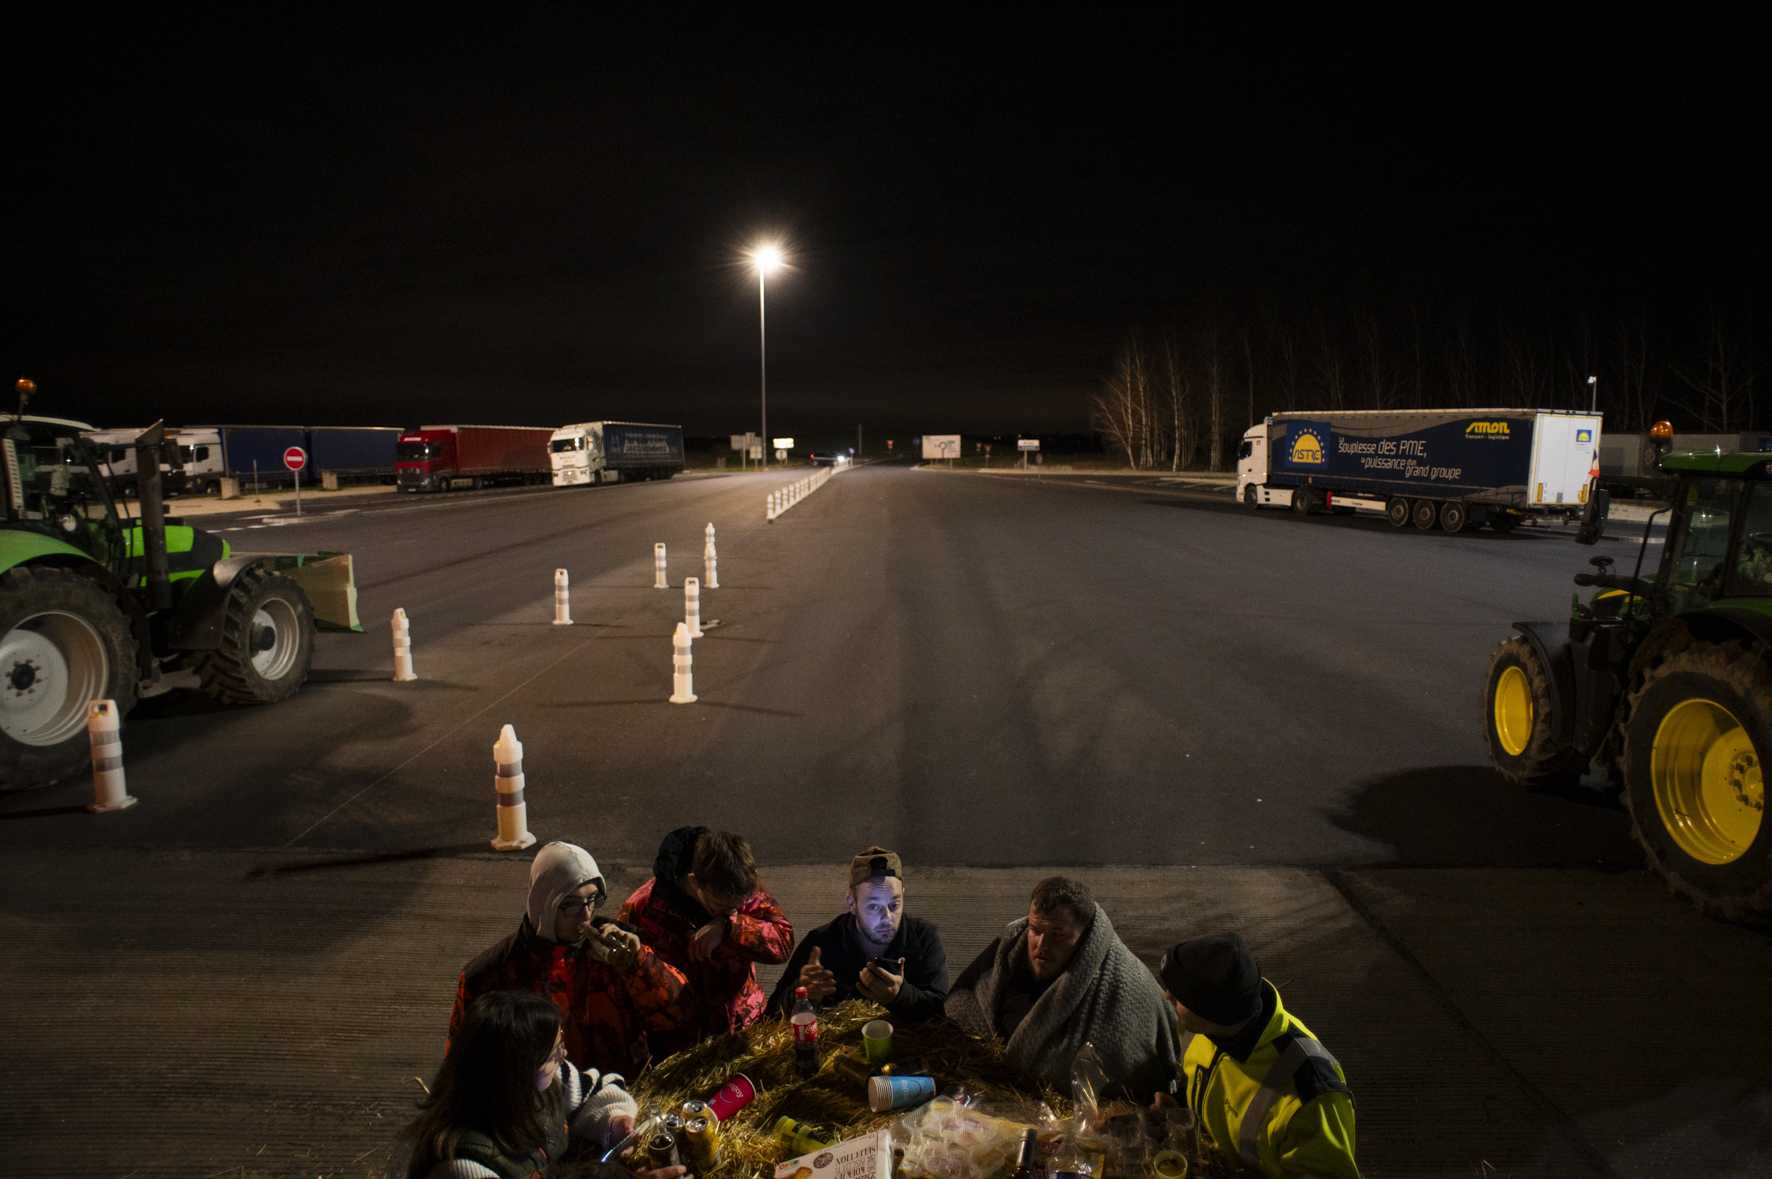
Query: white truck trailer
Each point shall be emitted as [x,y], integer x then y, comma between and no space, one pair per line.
[1451,469]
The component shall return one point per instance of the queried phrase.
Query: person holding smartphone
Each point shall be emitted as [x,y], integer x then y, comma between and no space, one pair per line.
[873,951]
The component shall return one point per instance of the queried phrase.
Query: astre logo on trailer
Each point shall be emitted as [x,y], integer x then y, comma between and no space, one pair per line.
[1486,430]
[1584,435]
[1309,444]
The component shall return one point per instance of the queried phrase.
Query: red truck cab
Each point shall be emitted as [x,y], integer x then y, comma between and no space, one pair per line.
[438,458]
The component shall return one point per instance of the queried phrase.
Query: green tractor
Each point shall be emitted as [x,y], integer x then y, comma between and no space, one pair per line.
[1664,684]
[97,607]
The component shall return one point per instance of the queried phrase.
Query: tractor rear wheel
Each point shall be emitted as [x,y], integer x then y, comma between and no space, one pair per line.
[267,642]
[1517,701]
[64,642]
[1696,733]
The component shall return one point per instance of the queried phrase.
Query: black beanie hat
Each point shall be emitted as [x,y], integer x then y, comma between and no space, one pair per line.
[1215,977]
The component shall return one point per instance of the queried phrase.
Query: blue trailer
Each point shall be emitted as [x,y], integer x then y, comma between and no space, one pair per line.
[356,454]
[1456,469]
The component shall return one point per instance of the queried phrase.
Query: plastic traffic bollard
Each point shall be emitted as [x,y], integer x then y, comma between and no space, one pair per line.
[110,792]
[402,648]
[692,606]
[682,678]
[513,812]
[659,580]
[711,560]
[562,598]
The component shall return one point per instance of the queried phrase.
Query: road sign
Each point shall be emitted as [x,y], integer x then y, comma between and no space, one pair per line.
[781,455]
[743,441]
[295,458]
[1027,444]
[941,446]
[784,444]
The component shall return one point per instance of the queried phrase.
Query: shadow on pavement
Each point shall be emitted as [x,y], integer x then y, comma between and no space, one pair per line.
[420,853]
[1449,816]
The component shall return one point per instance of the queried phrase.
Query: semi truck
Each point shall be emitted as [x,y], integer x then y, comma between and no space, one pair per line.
[96,606]
[1431,468]
[354,454]
[613,452]
[1630,464]
[115,452]
[443,458]
[1660,684]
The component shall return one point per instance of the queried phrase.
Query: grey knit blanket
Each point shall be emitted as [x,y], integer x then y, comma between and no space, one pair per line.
[1105,997]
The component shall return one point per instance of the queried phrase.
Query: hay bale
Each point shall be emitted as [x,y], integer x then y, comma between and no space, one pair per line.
[765,1053]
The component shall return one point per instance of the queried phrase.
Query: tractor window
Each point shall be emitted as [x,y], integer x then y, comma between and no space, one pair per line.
[1753,565]
[1700,543]
[52,487]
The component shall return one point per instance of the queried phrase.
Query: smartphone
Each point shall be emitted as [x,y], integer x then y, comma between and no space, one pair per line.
[890,966]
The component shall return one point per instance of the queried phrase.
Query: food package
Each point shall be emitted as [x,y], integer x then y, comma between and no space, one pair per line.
[867,1157]
[945,1139]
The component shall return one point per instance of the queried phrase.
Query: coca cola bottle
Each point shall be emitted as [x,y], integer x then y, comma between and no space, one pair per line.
[805,1024]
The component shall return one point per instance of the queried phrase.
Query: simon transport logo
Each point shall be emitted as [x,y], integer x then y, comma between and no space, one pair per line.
[1309,444]
[1499,428]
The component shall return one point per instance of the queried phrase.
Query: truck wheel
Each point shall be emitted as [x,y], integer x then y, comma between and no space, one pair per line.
[1503,521]
[1453,516]
[1424,512]
[1251,496]
[1695,736]
[1517,701]
[267,641]
[1301,500]
[63,643]
[1397,511]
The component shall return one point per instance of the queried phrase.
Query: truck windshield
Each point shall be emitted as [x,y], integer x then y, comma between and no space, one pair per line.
[561,445]
[52,487]
[415,452]
[1700,543]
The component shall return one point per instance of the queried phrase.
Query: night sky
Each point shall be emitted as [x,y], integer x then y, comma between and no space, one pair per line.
[534,214]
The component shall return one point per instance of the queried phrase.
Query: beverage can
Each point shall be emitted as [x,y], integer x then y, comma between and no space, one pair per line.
[693,1109]
[701,1142]
[738,1092]
[673,1122]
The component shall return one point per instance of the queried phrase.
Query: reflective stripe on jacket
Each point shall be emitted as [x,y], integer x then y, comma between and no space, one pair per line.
[1278,1103]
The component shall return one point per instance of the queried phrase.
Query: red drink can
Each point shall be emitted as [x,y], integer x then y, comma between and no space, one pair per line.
[734,1095]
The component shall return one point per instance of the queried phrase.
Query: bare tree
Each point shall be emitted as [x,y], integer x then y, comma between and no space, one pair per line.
[1178,392]
[1721,379]
[1212,362]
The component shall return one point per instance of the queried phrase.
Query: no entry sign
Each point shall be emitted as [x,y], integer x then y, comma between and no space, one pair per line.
[295,458]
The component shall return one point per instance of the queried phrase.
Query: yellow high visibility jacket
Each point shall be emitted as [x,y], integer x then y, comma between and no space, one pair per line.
[1273,1098]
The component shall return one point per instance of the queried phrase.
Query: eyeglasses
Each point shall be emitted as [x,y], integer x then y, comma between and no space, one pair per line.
[580,905]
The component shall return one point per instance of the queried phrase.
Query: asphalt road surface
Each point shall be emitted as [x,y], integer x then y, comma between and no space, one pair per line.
[977,670]
[1220,718]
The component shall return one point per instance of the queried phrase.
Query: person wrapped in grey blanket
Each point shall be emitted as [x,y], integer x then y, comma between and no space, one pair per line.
[1061,978]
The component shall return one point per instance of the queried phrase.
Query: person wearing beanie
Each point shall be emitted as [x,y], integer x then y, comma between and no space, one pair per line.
[613,992]
[1261,1086]
[835,962]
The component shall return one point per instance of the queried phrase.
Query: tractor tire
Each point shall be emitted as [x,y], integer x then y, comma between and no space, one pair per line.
[1697,731]
[1517,702]
[267,641]
[1397,511]
[64,642]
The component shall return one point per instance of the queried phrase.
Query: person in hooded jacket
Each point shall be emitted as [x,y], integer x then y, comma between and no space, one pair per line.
[614,993]
[705,913]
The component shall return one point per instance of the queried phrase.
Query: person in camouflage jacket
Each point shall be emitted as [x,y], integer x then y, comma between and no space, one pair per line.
[704,913]
[614,993]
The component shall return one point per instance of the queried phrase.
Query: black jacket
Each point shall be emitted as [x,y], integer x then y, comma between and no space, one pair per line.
[925,986]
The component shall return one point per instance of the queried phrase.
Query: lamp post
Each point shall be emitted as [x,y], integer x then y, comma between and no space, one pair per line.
[1593,394]
[766,260]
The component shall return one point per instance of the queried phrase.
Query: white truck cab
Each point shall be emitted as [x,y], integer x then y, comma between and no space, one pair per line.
[1252,486]
[577,455]
[201,453]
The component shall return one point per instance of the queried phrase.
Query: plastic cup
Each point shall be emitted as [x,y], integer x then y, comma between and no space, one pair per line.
[876,1041]
[1169,1164]
[886,1093]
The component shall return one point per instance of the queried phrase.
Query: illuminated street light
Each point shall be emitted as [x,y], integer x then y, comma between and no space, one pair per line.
[1593,391]
[765,260]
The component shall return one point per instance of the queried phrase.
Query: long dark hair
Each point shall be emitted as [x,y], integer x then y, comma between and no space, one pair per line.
[487,1081]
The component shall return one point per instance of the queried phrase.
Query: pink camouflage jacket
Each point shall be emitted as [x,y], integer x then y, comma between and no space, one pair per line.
[723,995]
